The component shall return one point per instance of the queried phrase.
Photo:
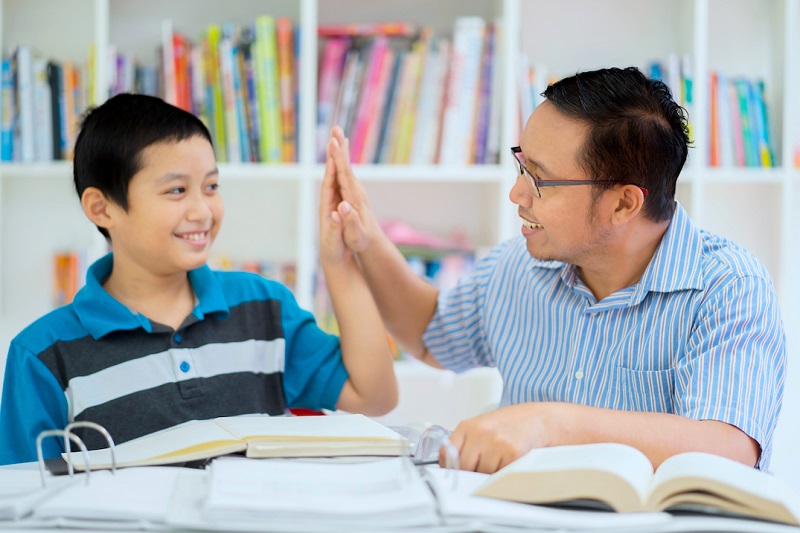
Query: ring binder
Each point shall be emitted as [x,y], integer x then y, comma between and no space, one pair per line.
[68,436]
[100,429]
[430,442]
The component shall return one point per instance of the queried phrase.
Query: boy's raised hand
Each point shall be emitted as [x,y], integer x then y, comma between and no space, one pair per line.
[344,198]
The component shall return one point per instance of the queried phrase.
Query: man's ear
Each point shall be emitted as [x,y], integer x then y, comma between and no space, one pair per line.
[630,200]
[97,207]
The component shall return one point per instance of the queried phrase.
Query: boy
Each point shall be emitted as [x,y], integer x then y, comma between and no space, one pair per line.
[156,338]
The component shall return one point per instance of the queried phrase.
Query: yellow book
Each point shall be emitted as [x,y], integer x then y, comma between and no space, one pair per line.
[621,478]
[266,72]
[216,104]
[257,436]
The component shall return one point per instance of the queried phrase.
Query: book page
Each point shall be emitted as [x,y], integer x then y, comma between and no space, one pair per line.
[187,442]
[377,493]
[732,486]
[315,435]
[616,474]
[454,490]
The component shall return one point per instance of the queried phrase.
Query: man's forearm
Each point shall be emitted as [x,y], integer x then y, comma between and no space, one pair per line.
[658,435]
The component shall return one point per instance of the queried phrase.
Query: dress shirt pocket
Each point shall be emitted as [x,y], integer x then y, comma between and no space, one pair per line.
[646,390]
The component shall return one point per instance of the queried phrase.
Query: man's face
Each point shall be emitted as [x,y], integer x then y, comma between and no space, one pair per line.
[564,224]
[174,209]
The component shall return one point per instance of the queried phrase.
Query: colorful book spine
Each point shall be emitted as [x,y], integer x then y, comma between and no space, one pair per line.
[408,117]
[7,123]
[736,124]
[746,122]
[268,93]
[366,105]
[42,113]
[385,29]
[762,117]
[375,125]
[484,99]
[213,83]
[459,120]
[246,50]
[284,31]
[387,113]
[24,92]
[330,76]
[713,133]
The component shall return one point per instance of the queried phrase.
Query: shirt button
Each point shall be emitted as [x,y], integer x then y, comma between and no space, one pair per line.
[185,366]
[177,338]
[579,375]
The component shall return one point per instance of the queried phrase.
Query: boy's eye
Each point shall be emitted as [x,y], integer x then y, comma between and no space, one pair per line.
[212,186]
[177,190]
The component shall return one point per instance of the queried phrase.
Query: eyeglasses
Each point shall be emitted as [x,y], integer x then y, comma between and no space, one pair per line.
[536,184]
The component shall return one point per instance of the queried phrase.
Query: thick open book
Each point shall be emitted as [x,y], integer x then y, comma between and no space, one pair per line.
[622,478]
[257,436]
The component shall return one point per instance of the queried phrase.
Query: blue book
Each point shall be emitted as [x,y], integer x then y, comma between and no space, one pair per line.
[7,125]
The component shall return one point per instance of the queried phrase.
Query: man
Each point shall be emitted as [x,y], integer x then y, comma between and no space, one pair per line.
[612,318]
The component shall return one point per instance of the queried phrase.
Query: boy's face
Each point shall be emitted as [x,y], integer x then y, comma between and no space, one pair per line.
[174,209]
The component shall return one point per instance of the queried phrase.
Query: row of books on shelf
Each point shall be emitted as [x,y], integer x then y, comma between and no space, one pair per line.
[414,98]
[241,80]
[740,127]
[42,102]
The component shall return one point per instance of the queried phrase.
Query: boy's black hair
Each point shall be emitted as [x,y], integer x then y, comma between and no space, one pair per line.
[637,133]
[113,135]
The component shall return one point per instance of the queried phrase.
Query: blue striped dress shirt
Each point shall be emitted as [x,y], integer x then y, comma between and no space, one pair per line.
[700,335]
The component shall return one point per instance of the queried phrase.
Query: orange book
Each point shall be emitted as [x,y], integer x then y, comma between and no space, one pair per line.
[714,155]
[284,34]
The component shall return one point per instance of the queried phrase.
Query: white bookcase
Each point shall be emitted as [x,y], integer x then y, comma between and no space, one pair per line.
[271,210]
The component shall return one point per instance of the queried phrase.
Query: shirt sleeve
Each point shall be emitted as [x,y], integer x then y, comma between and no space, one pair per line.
[456,335]
[314,371]
[32,402]
[735,370]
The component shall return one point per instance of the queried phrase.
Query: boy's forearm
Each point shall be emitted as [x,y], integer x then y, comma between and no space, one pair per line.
[406,301]
[365,348]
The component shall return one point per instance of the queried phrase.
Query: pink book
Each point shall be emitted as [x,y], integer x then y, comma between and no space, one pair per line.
[376,109]
[366,102]
[329,79]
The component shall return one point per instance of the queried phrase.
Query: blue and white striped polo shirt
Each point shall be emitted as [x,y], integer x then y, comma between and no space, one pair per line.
[246,348]
[700,335]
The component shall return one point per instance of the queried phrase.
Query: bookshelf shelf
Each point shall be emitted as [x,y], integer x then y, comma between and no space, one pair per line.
[271,208]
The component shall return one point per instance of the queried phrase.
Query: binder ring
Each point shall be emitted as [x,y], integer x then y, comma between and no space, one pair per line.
[100,429]
[67,436]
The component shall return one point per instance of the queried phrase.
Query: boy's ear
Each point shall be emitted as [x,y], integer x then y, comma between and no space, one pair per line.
[96,207]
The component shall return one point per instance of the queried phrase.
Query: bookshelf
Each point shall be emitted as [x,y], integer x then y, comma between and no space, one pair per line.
[271,209]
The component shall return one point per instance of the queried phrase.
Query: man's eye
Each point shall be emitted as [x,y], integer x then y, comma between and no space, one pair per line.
[176,190]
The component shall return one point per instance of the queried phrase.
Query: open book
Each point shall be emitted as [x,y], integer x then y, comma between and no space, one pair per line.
[622,478]
[257,436]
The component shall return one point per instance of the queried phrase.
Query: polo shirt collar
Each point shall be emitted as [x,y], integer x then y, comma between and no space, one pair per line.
[101,314]
[676,265]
